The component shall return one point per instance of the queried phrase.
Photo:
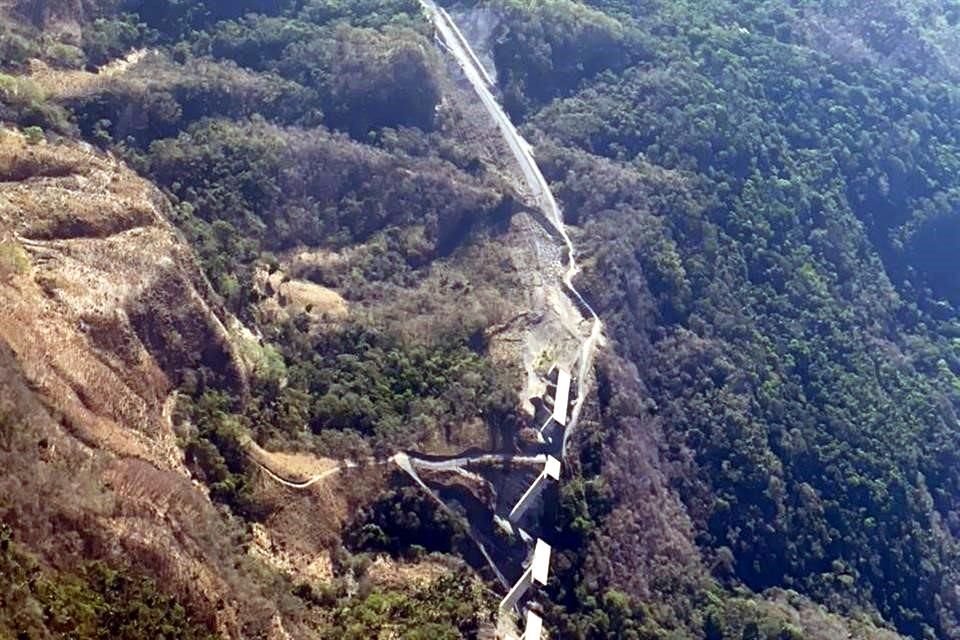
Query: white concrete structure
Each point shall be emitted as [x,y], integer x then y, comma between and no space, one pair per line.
[561,401]
[537,573]
[551,472]
[513,596]
[564,415]
[541,563]
[552,468]
[534,627]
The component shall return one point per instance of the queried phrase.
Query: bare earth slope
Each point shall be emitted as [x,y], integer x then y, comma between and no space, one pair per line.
[106,304]
[101,304]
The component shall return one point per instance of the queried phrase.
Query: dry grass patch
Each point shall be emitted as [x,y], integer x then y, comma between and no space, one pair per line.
[308,522]
[293,467]
[300,295]
[63,84]
[388,573]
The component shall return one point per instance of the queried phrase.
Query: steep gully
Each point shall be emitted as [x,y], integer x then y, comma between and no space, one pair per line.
[450,37]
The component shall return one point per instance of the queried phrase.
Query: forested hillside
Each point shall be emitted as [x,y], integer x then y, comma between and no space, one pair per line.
[770,200]
[766,196]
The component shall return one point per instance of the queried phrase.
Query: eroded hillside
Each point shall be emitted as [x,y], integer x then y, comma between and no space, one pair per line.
[377,307]
[103,307]
[299,261]
[103,303]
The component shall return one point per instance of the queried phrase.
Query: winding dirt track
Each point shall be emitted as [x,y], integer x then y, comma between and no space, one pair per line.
[409,465]
[402,460]
[306,484]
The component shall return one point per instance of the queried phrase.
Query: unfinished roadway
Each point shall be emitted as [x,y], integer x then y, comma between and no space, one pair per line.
[570,310]
[539,192]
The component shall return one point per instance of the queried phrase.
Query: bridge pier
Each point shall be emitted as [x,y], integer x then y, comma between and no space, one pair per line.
[537,573]
[561,402]
[534,627]
[551,471]
[538,570]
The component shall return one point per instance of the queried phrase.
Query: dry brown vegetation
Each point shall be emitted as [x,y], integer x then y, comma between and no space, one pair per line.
[311,521]
[64,84]
[111,307]
[293,467]
[387,572]
[816,621]
[103,309]
[62,17]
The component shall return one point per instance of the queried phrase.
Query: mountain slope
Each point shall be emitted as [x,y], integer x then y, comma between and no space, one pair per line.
[102,307]
[764,200]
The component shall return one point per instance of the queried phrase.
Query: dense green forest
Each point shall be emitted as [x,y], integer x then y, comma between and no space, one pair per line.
[773,224]
[767,197]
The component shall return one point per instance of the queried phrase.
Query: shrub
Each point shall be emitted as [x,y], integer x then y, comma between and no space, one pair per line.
[92,602]
[13,260]
[450,608]
[34,135]
[111,38]
[25,104]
